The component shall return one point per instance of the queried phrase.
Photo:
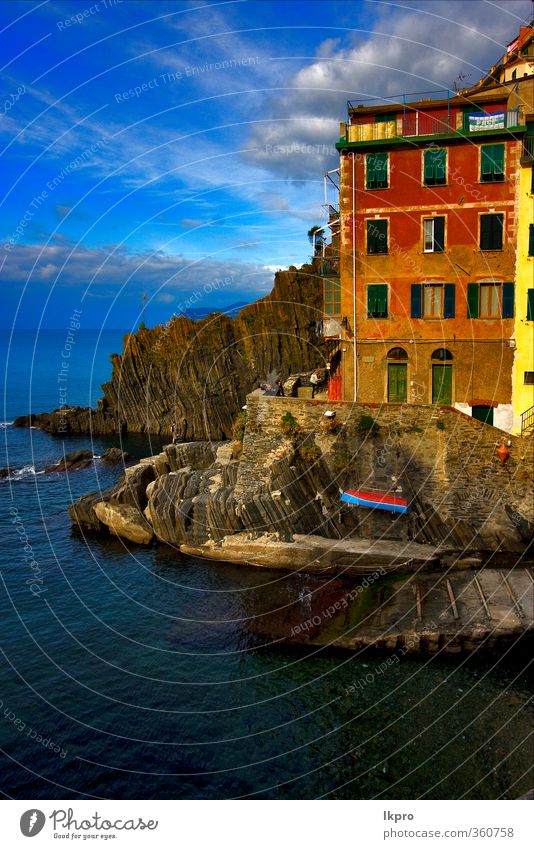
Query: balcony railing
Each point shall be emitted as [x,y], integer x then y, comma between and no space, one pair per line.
[413,123]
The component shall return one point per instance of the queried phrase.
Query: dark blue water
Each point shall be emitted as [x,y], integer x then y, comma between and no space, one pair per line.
[139,673]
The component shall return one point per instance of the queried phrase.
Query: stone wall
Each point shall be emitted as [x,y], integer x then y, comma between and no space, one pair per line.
[442,460]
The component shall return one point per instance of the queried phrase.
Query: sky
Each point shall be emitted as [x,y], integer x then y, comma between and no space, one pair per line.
[159,157]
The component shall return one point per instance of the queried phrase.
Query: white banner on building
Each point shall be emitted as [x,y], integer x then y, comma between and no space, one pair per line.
[486,122]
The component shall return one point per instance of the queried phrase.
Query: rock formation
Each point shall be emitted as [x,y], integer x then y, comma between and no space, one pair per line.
[197,373]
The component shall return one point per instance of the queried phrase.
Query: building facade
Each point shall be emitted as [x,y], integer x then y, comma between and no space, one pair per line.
[423,309]
[523,369]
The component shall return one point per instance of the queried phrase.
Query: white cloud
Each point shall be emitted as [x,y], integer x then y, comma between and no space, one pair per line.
[412,48]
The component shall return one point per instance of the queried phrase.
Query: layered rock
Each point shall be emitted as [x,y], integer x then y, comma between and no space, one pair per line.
[197,373]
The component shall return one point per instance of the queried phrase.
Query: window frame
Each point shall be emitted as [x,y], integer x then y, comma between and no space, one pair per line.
[433,287]
[496,287]
[482,215]
[369,314]
[369,221]
[431,150]
[433,219]
[376,188]
[500,178]
[334,285]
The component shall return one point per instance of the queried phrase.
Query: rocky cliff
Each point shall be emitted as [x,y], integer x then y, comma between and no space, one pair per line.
[199,372]
[252,502]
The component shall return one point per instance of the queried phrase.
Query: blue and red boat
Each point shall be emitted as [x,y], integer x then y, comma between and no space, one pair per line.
[375,500]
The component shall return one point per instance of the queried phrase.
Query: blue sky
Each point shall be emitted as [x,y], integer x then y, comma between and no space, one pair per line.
[178,148]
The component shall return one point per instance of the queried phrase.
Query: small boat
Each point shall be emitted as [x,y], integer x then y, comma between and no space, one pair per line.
[376,500]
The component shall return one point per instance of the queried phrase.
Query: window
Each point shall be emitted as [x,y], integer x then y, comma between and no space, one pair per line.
[442,354]
[531,239]
[377,236]
[530,305]
[377,301]
[490,300]
[377,171]
[529,378]
[492,163]
[435,167]
[491,228]
[434,234]
[433,300]
[332,297]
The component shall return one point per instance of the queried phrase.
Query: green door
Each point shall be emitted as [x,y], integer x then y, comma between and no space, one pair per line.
[483,414]
[397,383]
[442,385]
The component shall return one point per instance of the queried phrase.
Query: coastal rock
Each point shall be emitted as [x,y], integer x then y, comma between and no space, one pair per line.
[197,373]
[72,461]
[131,491]
[124,521]
[6,473]
[83,515]
[114,455]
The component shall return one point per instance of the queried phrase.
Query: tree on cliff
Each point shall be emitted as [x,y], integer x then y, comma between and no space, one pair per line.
[315,235]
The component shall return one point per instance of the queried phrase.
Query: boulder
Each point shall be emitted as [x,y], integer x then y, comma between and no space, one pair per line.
[115,455]
[132,490]
[124,521]
[72,461]
[6,473]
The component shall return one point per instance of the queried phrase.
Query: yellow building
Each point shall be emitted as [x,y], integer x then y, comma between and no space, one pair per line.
[523,372]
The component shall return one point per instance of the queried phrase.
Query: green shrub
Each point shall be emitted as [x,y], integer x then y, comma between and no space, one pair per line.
[440,424]
[309,452]
[239,425]
[289,425]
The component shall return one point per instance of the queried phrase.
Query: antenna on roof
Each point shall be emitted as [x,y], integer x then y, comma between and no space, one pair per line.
[460,79]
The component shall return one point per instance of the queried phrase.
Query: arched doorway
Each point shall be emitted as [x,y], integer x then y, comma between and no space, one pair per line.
[441,377]
[397,364]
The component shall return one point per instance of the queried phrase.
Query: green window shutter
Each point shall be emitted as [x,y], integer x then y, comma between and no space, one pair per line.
[531,240]
[448,300]
[530,305]
[486,162]
[492,162]
[377,171]
[439,234]
[491,227]
[371,300]
[377,236]
[382,300]
[440,159]
[434,167]
[428,167]
[498,160]
[377,300]
[472,300]
[485,232]
[508,300]
[497,227]
[416,300]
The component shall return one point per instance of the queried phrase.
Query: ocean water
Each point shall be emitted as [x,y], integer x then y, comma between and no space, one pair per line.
[134,672]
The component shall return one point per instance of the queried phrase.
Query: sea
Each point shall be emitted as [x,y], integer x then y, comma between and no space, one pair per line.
[131,672]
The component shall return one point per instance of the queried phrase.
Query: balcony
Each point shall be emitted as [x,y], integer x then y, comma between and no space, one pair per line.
[436,118]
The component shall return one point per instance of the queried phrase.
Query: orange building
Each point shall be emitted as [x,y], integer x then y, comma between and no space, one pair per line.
[420,307]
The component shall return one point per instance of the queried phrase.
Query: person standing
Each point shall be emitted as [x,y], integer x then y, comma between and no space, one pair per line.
[174,433]
[314,380]
[279,389]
